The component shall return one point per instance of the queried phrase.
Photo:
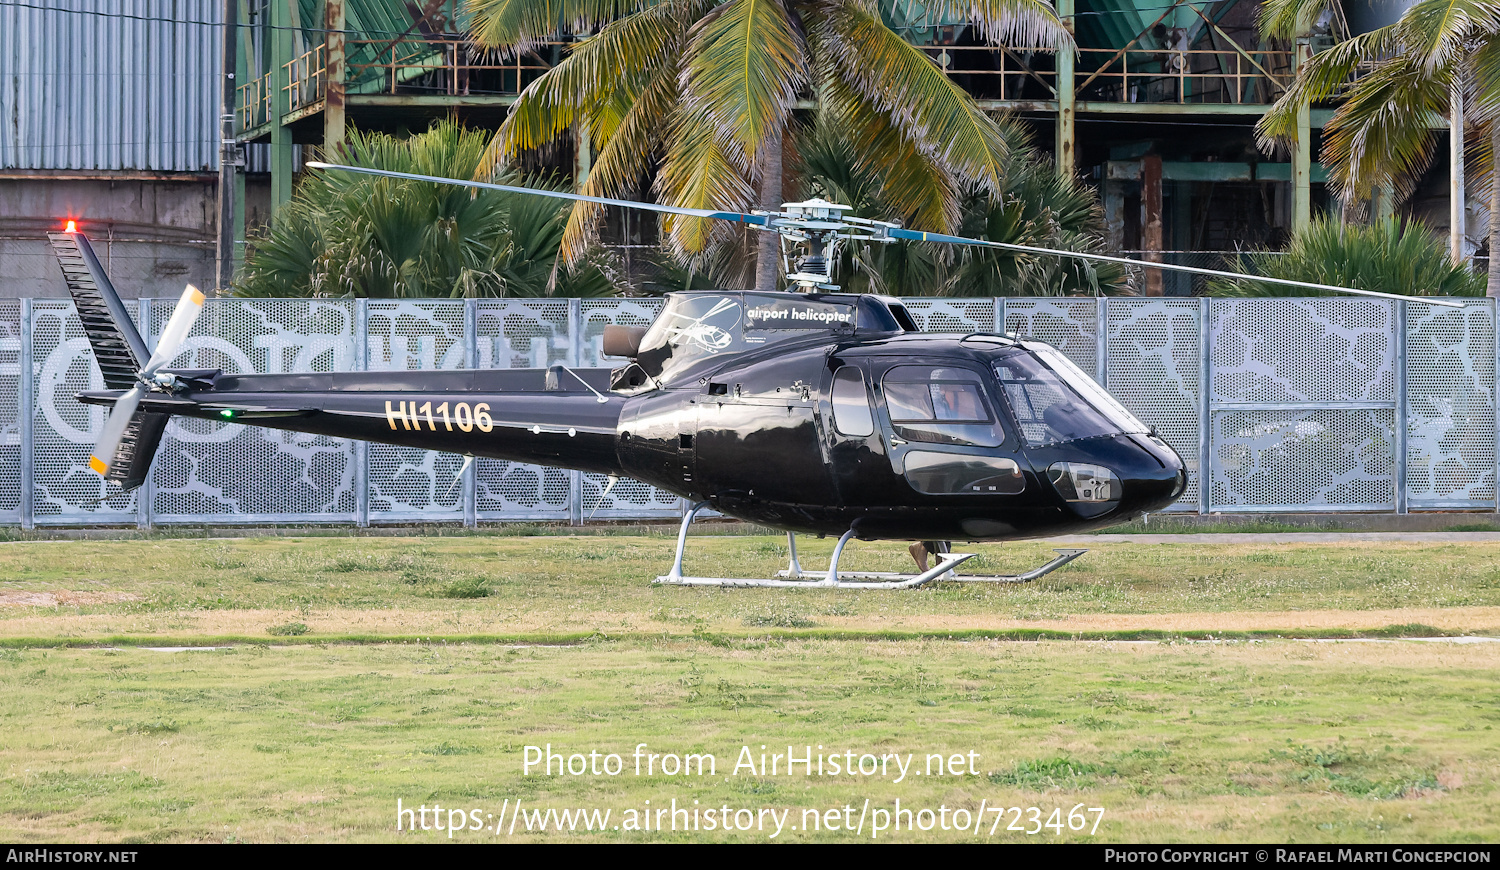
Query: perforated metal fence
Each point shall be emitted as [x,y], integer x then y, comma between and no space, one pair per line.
[1275,404]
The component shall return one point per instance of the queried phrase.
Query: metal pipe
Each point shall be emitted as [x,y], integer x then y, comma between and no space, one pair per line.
[1456,194]
[1063,558]
[793,568]
[687,520]
[833,564]
[228,148]
[27,412]
[1302,153]
[361,448]
[1399,424]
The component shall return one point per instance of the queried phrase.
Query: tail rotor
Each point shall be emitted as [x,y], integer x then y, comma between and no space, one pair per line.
[115,452]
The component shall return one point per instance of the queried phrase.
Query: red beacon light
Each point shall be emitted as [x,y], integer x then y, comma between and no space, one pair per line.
[72,227]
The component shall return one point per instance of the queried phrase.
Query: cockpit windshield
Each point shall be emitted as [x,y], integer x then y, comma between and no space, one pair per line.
[1054,401]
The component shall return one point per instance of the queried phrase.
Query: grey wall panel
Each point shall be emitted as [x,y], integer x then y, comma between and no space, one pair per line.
[406,484]
[210,471]
[1450,406]
[66,490]
[110,85]
[10,411]
[1070,325]
[524,333]
[1153,348]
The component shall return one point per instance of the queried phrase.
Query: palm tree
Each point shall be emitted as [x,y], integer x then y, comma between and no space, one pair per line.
[1385,256]
[1381,133]
[360,235]
[699,94]
[1035,206]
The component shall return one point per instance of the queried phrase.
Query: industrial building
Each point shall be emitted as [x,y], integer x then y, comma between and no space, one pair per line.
[111,117]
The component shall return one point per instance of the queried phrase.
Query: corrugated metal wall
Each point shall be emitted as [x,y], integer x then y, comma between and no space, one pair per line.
[110,84]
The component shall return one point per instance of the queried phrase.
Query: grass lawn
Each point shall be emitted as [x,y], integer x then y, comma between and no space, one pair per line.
[560,588]
[295,733]
[1256,742]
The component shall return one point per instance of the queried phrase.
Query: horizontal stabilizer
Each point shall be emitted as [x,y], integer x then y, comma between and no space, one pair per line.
[118,347]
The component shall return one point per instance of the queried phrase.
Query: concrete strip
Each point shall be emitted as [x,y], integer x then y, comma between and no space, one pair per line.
[1283,538]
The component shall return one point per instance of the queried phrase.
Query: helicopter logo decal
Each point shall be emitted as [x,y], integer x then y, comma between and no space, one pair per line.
[709,336]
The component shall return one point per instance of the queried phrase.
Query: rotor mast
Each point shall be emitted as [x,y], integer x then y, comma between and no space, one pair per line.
[814,226]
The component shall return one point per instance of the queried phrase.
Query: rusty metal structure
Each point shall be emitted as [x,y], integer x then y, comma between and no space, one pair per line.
[1157,106]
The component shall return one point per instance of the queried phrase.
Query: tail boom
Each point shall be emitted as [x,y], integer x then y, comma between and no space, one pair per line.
[458,412]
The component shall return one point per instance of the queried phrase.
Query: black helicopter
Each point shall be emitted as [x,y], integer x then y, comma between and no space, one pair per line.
[814,411]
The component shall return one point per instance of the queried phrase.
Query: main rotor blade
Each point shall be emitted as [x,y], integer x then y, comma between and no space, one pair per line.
[753,219]
[176,330]
[917,235]
[114,429]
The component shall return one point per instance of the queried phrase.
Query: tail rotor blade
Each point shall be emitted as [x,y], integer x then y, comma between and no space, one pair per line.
[108,444]
[176,331]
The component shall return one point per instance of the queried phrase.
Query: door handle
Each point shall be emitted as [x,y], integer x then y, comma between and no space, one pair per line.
[897,442]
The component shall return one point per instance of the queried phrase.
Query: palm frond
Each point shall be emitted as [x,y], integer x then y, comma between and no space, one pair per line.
[1382,133]
[345,234]
[520,25]
[912,186]
[1483,78]
[603,70]
[1318,79]
[1288,19]
[1385,256]
[746,62]
[904,84]
[698,171]
[1437,33]
[626,158]
[828,165]
[1019,23]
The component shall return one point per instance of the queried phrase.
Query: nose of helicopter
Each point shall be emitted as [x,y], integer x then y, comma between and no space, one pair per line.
[1154,479]
[1111,480]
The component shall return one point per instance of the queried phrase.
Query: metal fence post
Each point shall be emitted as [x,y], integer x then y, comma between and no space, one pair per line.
[1205,391]
[1000,314]
[1101,347]
[27,412]
[362,448]
[1399,445]
[471,359]
[143,496]
[575,342]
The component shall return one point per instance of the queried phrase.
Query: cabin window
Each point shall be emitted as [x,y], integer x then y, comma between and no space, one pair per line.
[940,405]
[851,404]
[959,474]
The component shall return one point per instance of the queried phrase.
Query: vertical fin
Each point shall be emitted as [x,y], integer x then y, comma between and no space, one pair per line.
[118,347]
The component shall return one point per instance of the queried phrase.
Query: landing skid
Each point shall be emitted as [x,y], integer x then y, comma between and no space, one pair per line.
[795,576]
